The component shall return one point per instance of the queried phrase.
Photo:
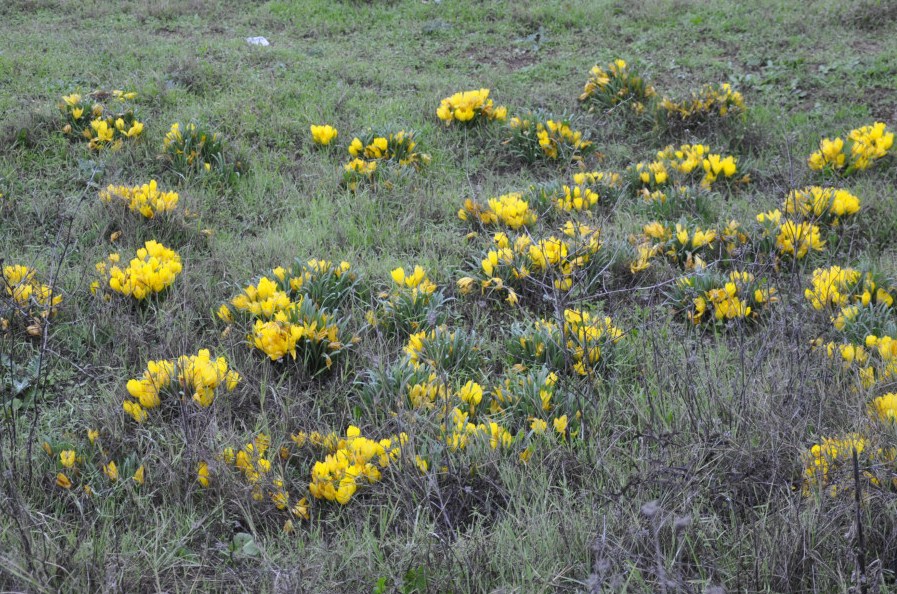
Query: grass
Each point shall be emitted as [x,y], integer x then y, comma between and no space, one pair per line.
[687,474]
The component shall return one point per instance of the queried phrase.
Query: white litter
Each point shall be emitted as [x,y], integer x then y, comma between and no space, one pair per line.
[258,41]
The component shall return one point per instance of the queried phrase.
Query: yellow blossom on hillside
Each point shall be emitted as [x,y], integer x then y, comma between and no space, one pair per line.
[202,474]
[825,205]
[323,135]
[67,458]
[885,407]
[470,106]
[355,460]
[797,239]
[31,297]
[111,471]
[867,145]
[509,209]
[825,458]
[146,199]
[151,271]
[63,481]
[716,166]
[198,375]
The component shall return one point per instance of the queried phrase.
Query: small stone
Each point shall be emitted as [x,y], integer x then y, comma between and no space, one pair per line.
[258,41]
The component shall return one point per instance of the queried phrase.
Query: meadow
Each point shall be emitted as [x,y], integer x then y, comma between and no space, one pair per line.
[448,296]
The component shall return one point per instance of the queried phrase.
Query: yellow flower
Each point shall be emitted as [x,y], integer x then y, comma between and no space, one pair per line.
[885,407]
[539,426]
[63,481]
[153,270]
[92,435]
[72,100]
[300,509]
[471,393]
[797,239]
[111,471]
[139,475]
[469,106]
[512,295]
[67,458]
[202,474]
[323,135]
[465,285]
[135,130]
[560,424]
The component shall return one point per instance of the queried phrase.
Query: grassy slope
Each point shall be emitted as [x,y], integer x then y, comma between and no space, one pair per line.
[714,428]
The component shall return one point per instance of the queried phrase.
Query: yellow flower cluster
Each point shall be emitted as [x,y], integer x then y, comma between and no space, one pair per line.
[534,389]
[794,238]
[797,239]
[509,209]
[417,281]
[326,283]
[358,170]
[197,374]
[687,247]
[30,297]
[827,460]
[843,287]
[586,335]
[193,148]
[684,162]
[426,392]
[711,100]
[823,205]
[146,199]
[287,313]
[525,260]
[323,135]
[262,300]
[884,349]
[412,302]
[707,298]
[653,174]
[716,166]
[555,135]
[255,463]
[394,146]
[374,149]
[686,159]
[617,84]
[353,460]
[868,144]
[151,271]
[76,464]
[470,107]
[874,359]
[534,137]
[441,349]
[584,191]
[534,398]
[458,431]
[582,339]
[304,329]
[885,407]
[251,460]
[97,122]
